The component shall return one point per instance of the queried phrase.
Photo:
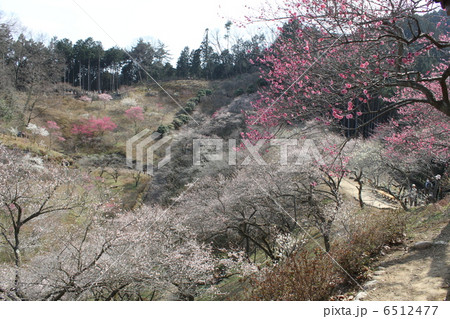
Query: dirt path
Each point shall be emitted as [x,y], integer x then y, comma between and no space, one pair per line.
[369,195]
[421,272]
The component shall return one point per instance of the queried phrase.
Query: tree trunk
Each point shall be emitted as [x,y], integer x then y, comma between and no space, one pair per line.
[99,89]
[361,202]
[358,179]
[89,75]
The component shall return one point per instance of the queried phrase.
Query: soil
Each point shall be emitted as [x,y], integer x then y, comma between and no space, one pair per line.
[414,274]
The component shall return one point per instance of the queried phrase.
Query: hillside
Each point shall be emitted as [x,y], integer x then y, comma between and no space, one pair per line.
[224,229]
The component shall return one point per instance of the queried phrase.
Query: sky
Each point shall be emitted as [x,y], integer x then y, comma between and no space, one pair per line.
[177,23]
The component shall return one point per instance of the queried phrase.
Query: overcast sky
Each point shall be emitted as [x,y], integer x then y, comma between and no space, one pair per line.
[177,23]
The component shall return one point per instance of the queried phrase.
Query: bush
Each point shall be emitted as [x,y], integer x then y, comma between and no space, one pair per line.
[177,123]
[314,276]
[195,100]
[201,93]
[239,92]
[367,238]
[85,98]
[303,276]
[251,89]
[104,97]
[183,118]
[189,106]
[163,129]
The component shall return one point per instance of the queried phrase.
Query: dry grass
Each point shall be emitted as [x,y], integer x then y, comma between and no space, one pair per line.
[33,147]
[66,110]
[126,183]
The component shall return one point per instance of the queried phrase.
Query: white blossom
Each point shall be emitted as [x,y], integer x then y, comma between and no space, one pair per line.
[36,130]
[129,102]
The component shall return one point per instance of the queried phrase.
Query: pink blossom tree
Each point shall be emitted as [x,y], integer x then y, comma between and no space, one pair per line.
[332,58]
[135,114]
[93,127]
[416,142]
[418,133]
[85,98]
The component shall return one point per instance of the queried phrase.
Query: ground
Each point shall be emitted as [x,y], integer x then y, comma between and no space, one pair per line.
[418,271]
[370,196]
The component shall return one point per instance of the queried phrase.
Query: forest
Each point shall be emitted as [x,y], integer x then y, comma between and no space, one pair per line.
[295,165]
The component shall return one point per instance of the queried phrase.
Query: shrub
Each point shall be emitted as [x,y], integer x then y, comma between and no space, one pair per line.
[314,276]
[367,238]
[251,89]
[105,97]
[128,102]
[85,98]
[183,117]
[177,123]
[190,104]
[204,92]
[201,93]
[196,100]
[239,92]
[163,129]
[303,276]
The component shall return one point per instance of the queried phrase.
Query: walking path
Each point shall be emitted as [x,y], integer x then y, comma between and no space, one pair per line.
[370,196]
[420,273]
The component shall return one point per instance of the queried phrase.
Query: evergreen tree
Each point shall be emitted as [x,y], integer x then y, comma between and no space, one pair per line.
[183,63]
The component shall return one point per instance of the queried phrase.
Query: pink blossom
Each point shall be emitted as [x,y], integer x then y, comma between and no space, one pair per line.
[94,126]
[105,97]
[135,113]
[52,125]
[85,98]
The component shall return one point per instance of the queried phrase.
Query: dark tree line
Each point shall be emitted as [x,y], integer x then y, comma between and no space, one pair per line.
[90,67]
[209,63]
[87,65]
